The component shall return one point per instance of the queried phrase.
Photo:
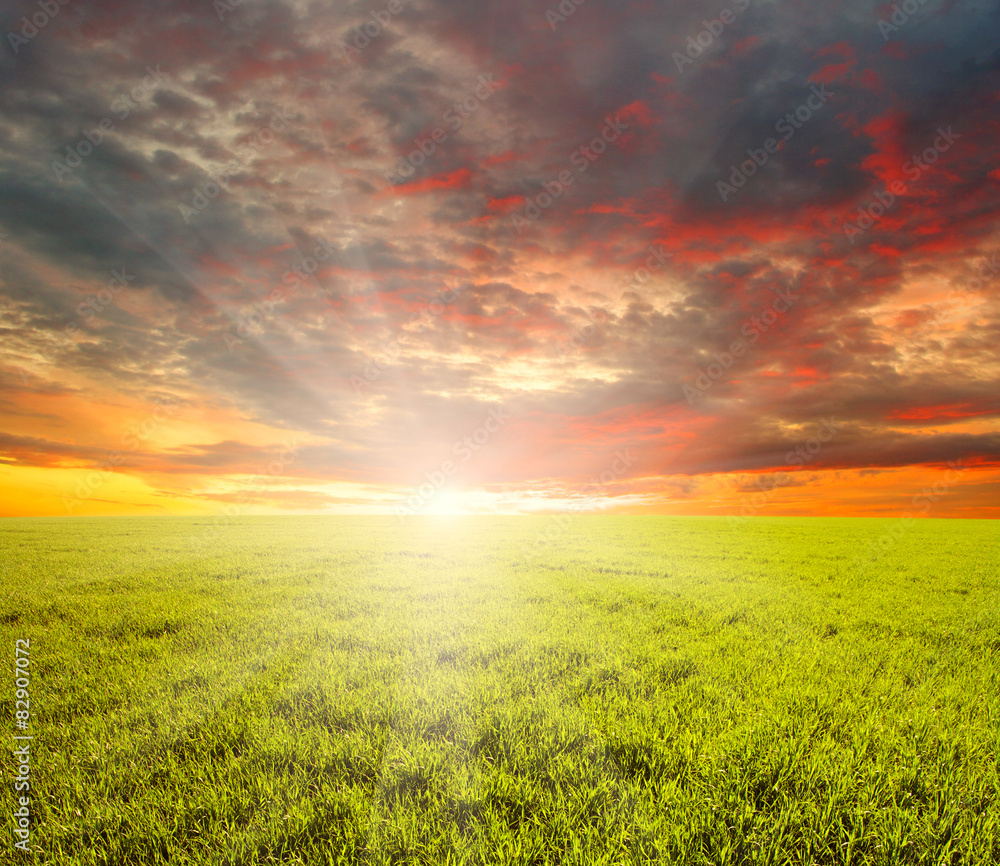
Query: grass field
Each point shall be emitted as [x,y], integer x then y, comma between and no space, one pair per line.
[640,690]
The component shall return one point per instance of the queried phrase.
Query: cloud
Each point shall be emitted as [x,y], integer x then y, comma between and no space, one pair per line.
[257,140]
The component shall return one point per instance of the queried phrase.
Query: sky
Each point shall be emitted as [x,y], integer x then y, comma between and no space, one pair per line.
[435,256]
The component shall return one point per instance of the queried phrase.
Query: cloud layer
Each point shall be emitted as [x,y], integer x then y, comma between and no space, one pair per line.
[290,255]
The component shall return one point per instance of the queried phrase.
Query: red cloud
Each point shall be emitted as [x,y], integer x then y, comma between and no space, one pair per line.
[833,71]
[499,158]
[936,413]
[886,132]
[506,204]
[872,80]
[637,112]
[745,45]
[459,179]
[844,49]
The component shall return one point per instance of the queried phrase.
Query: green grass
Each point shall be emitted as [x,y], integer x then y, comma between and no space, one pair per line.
[642,690]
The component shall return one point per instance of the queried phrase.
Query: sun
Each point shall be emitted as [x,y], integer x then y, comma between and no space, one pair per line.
[447,503]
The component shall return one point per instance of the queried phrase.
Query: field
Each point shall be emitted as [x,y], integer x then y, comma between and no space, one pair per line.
[445,691]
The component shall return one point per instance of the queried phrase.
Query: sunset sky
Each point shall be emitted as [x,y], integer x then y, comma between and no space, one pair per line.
[469,255]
